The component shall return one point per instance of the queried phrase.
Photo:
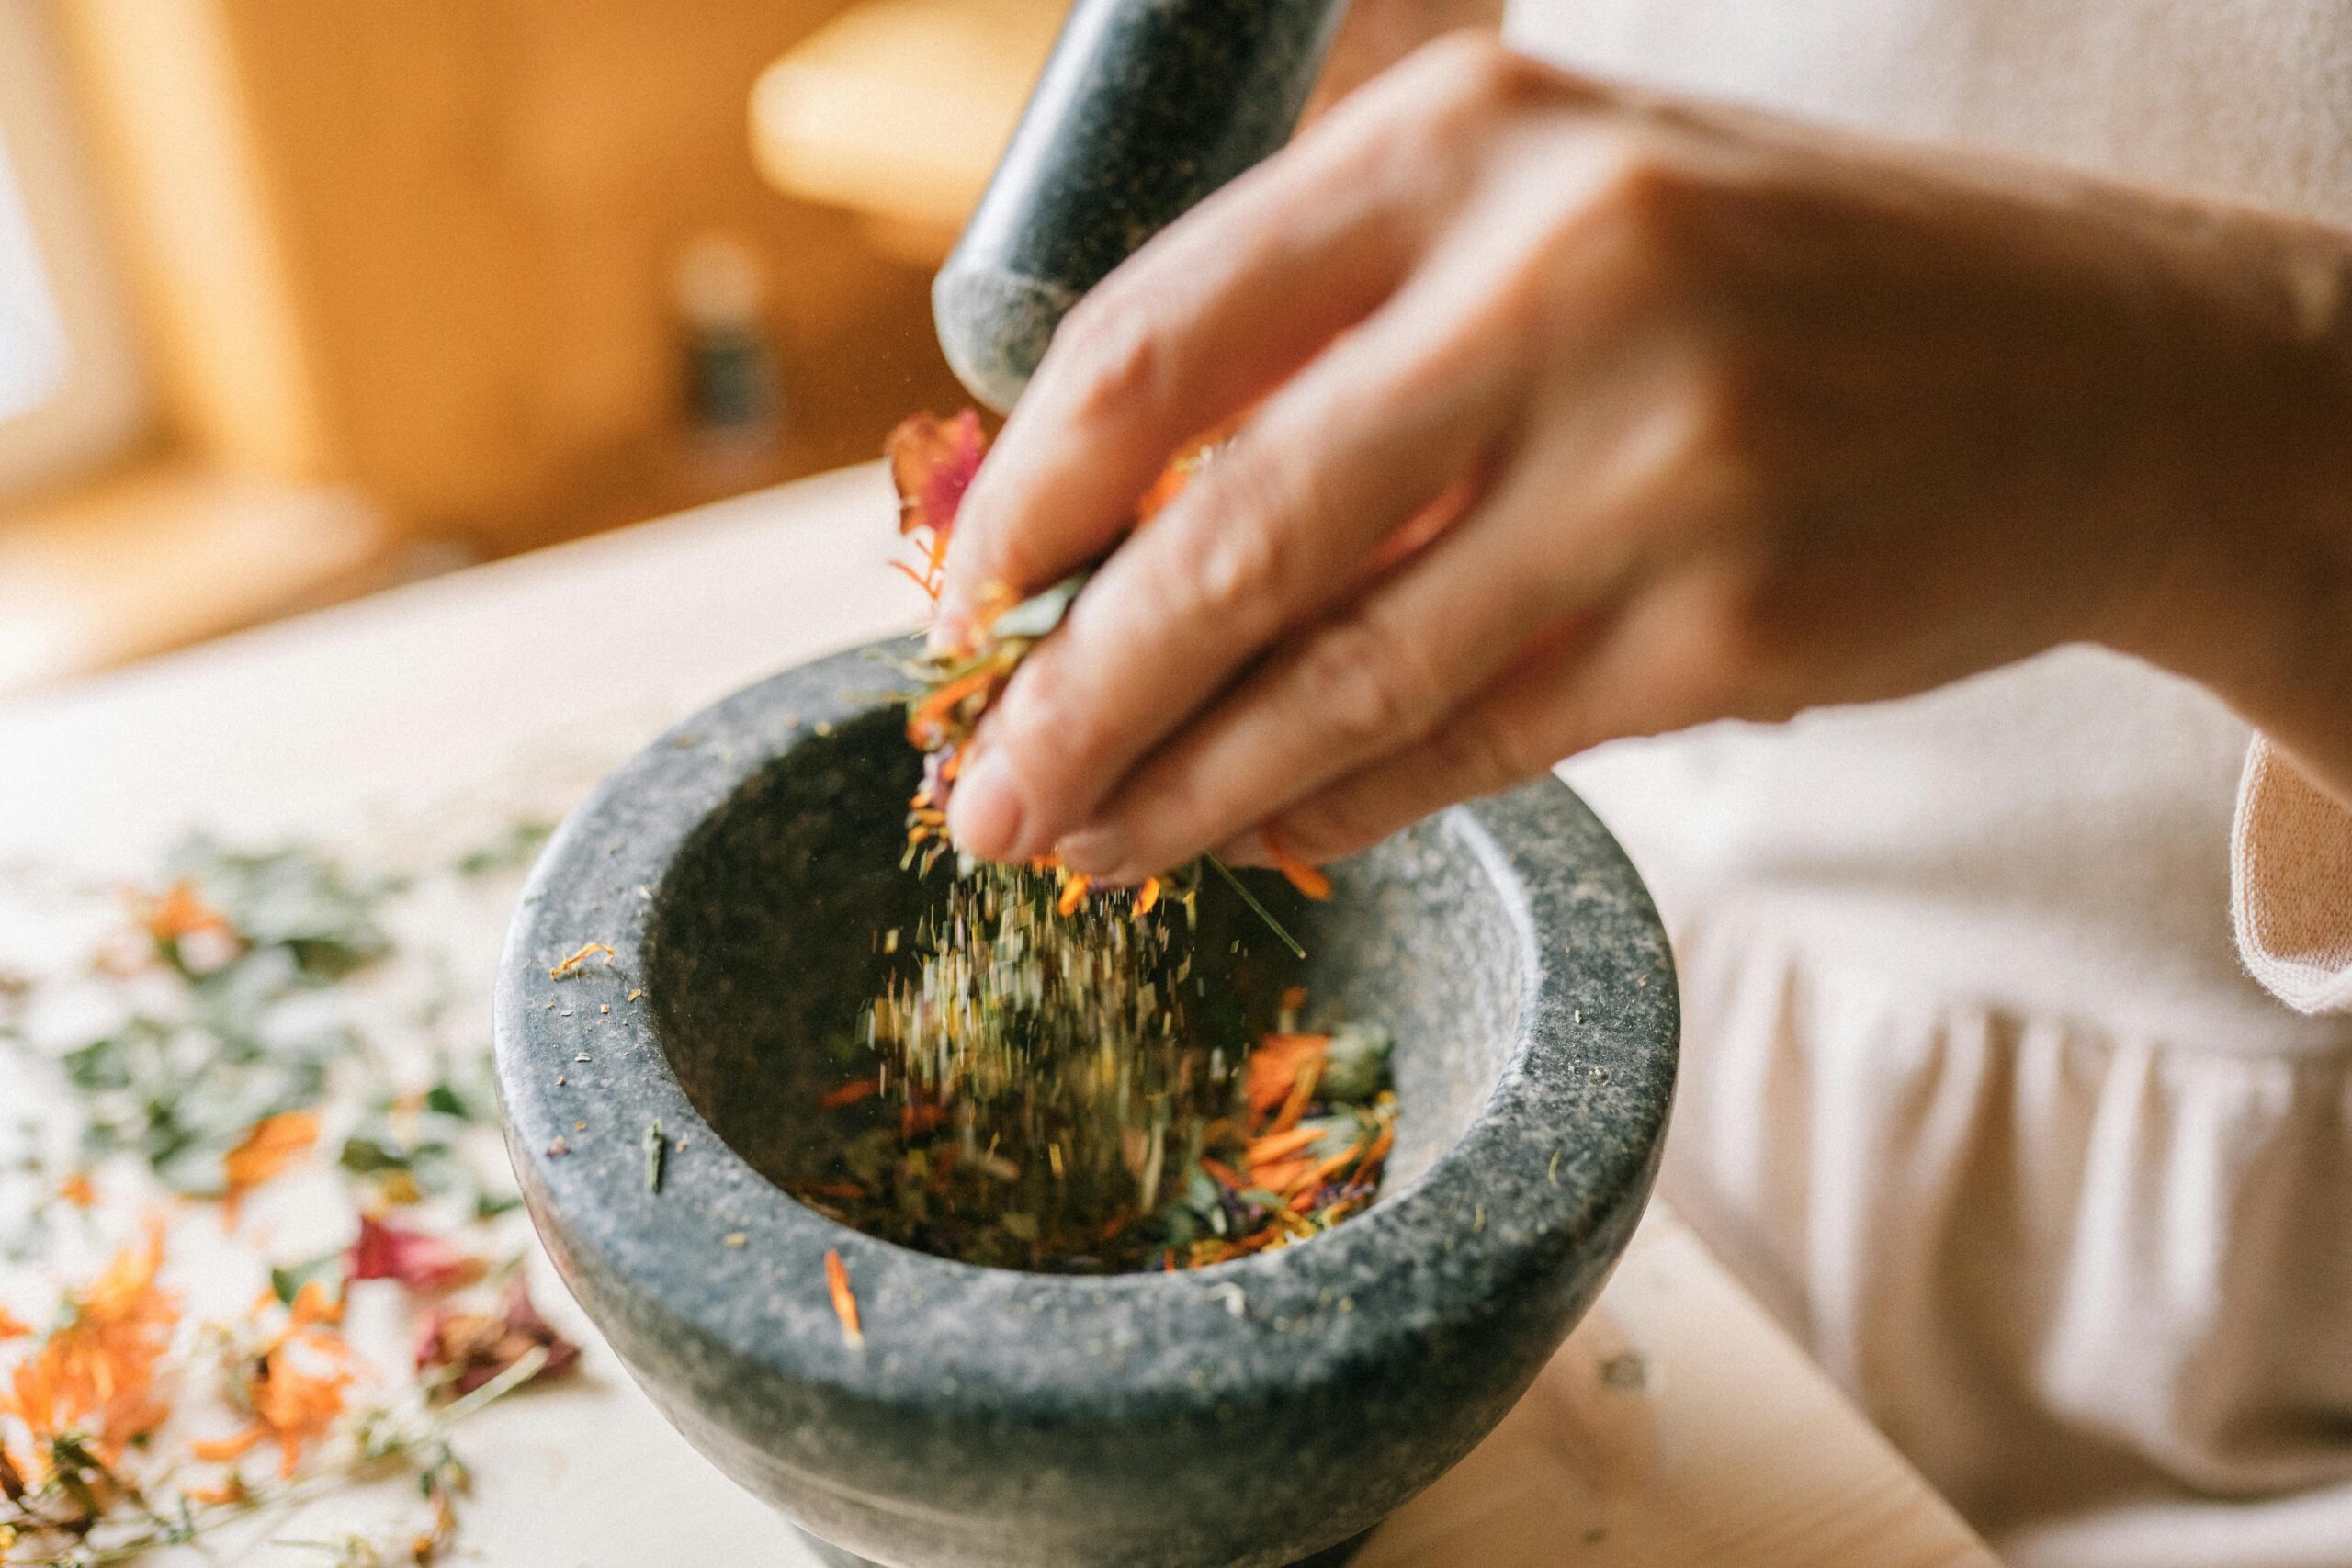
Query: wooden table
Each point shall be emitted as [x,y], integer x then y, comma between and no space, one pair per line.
[1677,1426]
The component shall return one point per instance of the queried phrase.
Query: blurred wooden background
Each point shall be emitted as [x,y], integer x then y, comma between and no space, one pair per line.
[468,212]
[406,276]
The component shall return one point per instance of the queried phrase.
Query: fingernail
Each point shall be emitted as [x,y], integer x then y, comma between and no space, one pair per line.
[947,629]
[984,811]
[1094,852]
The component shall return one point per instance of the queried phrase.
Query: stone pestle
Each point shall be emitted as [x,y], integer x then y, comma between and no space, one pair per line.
[1145,108]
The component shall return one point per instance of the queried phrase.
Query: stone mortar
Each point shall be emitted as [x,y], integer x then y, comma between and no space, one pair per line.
[1250,1414]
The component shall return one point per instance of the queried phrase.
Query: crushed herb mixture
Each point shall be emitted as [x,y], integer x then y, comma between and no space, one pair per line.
[1047,1090]
[246,1015]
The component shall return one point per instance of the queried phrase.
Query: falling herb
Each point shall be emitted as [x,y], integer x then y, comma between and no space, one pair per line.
[655,1150]
[1241,890]
[1041,1094]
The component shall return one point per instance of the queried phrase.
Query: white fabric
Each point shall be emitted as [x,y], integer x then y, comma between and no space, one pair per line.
[1979,1093]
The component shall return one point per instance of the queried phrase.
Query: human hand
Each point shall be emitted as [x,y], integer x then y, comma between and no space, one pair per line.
[1585,415]
[1376,34]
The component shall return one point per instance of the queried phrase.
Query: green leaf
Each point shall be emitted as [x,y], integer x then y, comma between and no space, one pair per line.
[1355,1066]
[513,848]
[365,1156]
[293,900]
[1040,613]
[286,1283]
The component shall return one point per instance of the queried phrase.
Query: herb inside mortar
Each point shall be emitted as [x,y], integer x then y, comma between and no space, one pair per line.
[1041,1095]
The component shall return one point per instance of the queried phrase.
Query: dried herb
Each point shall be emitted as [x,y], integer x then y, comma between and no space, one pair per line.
[933,462]
[212,1046]
[844,1299]
[1039,1095]
[655,1150]
[578,960]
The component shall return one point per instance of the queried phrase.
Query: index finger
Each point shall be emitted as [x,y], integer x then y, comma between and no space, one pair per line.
[1216,311]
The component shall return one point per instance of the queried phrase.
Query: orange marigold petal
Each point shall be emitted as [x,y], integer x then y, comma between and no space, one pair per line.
[1300,873]
[1274,1066]
[849,1094]
[272,1145]
[220,1451]
[844,1299]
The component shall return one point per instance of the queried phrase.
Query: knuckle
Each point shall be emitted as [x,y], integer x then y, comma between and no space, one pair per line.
[1641,209]
[1338,822]
[1116,353]
[1473,75]
[1731,445]
[1363,683]
[1243,559]
[1481,753]
[1239,573]
[1641,186]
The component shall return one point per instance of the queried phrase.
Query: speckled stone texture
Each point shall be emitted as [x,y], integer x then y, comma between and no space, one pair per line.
[1145,106]
[1241,1416]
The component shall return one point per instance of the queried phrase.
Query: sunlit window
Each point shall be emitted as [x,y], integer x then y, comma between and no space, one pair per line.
[33,351]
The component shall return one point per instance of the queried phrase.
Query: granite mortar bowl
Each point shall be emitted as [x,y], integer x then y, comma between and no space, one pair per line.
[1245,1415]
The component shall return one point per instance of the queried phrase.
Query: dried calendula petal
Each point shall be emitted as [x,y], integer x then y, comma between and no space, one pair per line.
[1307,878]
[578,960]
[844,1299]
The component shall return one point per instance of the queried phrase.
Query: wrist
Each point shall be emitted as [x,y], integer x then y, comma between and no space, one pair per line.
[2256,605]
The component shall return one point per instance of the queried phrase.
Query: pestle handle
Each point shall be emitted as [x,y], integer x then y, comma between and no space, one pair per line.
[1145,108]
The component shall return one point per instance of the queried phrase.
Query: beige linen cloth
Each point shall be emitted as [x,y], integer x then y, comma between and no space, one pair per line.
[1980,1094]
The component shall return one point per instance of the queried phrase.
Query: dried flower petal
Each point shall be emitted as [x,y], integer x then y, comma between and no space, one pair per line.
[177,913]
[424,1263]
[932,463]
[578,960]
[1276,1066]
[1301,875]
[844,1299]
[460,1351]
[294,1383]
[96,1373]
[269,1146]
